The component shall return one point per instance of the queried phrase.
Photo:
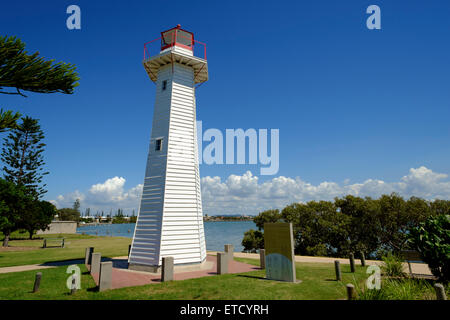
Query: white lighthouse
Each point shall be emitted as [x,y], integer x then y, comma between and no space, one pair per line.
[170,220]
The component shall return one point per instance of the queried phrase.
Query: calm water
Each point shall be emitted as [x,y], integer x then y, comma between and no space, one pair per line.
[217,233]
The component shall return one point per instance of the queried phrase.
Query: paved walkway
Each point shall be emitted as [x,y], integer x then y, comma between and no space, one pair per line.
[46,265]
[123,277]
[418,268]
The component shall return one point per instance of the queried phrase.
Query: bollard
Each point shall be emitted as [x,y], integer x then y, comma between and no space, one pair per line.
[62,243]
[337,268]
[229,250]
[363,259]
[73,288]
[105,277]
[95,264]
[45,244]
[129,250]
[88,256]
[262,258]
[167,269]
[352,262]
[440,292]
[350,291]
[37,282]
[222,263]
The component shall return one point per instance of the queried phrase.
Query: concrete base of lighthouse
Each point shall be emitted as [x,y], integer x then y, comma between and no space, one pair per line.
[184,267]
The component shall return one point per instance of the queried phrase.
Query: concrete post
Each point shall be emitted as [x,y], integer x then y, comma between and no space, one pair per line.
[88,256]
[229,250]
[440,292]
[45,244]
[352,262]
[73,287]
[105,279]
[37,282]
[350,291]
[167,269]
[262,258]
[363,259]
[222,263]
[337,268]
[129,250]
[95,265]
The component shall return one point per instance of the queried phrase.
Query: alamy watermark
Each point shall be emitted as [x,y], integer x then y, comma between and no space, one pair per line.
[75,274]
[74,20]
[218,148]
[374,20]
[235,146]
[374,280]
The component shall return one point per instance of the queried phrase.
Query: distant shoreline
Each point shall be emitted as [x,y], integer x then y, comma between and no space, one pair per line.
[224,218]
[205,219]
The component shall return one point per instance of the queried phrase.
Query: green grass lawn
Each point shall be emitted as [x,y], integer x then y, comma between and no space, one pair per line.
[317,283]
[75,246]
[317,278]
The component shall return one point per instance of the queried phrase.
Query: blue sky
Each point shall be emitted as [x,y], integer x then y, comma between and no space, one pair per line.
[351,104]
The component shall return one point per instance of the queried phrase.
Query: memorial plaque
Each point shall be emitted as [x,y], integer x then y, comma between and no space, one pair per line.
[279,250]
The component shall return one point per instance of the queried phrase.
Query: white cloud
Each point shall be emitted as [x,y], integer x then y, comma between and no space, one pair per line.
[223,197]
[105,196]
[244,194]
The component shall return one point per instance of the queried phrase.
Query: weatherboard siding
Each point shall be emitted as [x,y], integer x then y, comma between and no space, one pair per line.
[170,220]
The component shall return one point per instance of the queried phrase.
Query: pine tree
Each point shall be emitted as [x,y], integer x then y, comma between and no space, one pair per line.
[76,205]
[23,159]
[8,120]
[22,71]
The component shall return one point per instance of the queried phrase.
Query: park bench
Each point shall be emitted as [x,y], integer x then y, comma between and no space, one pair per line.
[59,240]
[413,256]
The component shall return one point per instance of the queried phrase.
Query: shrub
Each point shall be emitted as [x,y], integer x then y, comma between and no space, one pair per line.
[317,250]
[432,239]
[119,219]
[253,239]
[399,289]
[392,266]
[68,214]
[370,294]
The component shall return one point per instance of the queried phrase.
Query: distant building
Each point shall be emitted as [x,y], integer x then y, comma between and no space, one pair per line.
[59,227]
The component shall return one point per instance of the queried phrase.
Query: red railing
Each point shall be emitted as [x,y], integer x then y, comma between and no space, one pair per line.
[150,48]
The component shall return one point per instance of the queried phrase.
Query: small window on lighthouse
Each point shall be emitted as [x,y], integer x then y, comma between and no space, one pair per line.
[164,85]
[158,145]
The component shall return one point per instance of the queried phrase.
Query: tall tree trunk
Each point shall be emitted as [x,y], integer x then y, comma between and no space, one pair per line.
[6,240]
